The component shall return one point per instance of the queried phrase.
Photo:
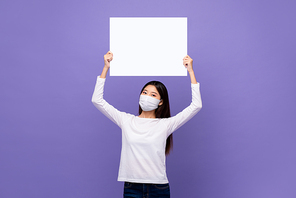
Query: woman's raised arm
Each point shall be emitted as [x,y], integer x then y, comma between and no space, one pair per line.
[173,123]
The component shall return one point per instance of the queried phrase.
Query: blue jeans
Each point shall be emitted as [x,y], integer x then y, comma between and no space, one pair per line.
[139,190]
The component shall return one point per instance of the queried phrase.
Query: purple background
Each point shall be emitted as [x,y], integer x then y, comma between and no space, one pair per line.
[54,143]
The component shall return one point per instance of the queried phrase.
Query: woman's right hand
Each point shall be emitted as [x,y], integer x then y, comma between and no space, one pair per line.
[108,58]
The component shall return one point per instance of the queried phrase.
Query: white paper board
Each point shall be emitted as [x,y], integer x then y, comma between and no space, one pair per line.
[148,46]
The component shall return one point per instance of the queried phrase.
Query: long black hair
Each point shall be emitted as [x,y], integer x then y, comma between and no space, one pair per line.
[162,111]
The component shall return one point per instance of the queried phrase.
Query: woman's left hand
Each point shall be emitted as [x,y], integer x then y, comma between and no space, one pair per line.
[188,63]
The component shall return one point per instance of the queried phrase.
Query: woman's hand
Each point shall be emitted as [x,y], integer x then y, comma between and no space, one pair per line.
[188,62]
[108,58]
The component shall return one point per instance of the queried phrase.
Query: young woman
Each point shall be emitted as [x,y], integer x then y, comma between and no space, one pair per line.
[146,138]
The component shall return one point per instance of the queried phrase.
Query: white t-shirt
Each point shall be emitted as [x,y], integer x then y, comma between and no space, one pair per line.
[144,139]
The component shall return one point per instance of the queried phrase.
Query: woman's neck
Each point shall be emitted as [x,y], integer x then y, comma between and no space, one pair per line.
[147,114]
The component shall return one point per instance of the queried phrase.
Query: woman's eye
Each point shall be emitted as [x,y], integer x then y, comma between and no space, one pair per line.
[153,95]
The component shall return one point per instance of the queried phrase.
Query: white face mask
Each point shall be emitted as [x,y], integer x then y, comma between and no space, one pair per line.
[148,103]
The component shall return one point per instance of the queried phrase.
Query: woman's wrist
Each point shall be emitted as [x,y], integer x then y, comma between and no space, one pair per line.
[192,77]
[104,72]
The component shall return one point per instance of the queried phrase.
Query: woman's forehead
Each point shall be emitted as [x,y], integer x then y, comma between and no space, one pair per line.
[151,88]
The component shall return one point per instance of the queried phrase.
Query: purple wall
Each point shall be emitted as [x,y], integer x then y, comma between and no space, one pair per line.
[54,143]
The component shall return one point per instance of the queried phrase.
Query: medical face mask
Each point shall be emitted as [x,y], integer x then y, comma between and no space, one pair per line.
[148,103]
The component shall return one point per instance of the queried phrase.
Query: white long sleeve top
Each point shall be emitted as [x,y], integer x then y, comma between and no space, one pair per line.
[144,139]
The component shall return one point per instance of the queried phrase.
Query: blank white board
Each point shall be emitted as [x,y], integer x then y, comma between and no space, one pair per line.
[148,46]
